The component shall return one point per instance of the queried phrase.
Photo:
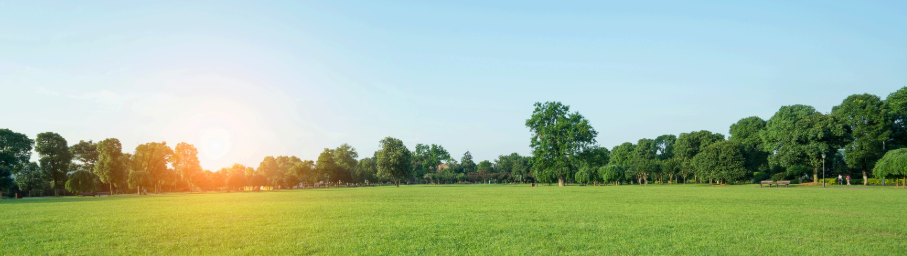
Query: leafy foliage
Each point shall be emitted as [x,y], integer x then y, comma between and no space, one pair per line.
[722,161]
[558,137]
[55,158]
[394,160]
[80,181]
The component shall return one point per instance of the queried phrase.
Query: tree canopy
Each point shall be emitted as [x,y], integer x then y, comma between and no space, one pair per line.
[798,135]
[866,119]
[557,137]
[55,158]
[394,160]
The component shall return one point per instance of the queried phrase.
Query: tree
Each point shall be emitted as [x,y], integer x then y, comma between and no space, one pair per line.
[305,171]
[86,153]
[394,160]
[798,135]
[152,158]
[557,137]
[866,119]
[185,161]
[722,161]
[622,154]
[427,159]
[643,163]
[670,167]
[270,170]
[664,146]
[584,175]
[896,106]
[80,181]
[218,179]
[110,167]
[326,164]
[466,163]
[200,180]
[595,157]
[345,160]
[367,169]
[31,178]
[612,173]
[894,163]
[688,145]
[746,133]
[15,154]
[486,166]
[55,158]
[237,180]
[139,179]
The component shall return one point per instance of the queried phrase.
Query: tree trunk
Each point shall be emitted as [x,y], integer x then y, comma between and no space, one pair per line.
[560,181]
[111,188]
[865,180]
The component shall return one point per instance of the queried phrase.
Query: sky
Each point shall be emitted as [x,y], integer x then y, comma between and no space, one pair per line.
[242,80]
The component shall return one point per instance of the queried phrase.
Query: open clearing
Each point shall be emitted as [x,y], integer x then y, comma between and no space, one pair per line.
[467,219]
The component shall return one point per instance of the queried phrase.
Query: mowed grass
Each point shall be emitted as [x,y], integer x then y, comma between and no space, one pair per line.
[466,219]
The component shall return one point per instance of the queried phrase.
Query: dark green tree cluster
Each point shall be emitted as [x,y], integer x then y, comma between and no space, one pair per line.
[793,143]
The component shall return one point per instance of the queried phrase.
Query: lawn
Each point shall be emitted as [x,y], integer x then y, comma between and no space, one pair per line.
[467,219]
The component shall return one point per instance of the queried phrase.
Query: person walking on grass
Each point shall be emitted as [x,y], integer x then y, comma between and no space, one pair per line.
[848,180]
[840,179]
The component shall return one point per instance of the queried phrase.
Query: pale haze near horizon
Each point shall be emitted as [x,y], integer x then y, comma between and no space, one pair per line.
[242,81]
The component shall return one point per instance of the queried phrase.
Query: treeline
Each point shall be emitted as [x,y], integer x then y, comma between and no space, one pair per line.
[863,136]
[103,166]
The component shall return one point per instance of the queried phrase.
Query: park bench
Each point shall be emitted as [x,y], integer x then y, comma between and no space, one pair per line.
[765,182]
[88,194]
[783,182]
[103,193]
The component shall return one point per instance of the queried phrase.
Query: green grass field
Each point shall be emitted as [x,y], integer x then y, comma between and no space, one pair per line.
[466,219]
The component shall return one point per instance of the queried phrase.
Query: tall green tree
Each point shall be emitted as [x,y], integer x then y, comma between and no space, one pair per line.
[31,178]
[466,163]
[326,165]
[865,117]
[138,180]
[896,106]
[152,158]
[345,158]
[798,135]
[643,162]
[368,169]
[558,137]
[394,160]
[688,145]
[185,161]
[55,158]
[15,154]
[722,161]
[664,146]
[85,153]
[304,171]
[110,167]
[80,181]
[746,133]
[270,169]
[622,155]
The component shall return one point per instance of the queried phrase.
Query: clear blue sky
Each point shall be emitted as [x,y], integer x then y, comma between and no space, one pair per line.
[245,80]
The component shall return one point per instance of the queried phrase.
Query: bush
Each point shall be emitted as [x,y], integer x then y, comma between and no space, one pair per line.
[854,181]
